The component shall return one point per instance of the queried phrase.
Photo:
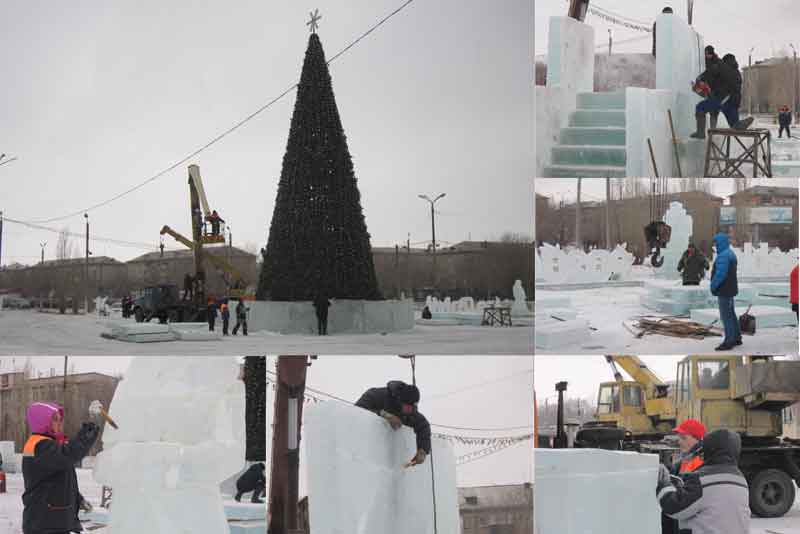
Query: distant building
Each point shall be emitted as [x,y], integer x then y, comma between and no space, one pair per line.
[762,214]
[769,84]
[628,218]
[496,509]
[75,393]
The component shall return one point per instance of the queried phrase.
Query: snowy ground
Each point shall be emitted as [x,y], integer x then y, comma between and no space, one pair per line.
[788,524]
[31,333]
[607,308]
[11,503]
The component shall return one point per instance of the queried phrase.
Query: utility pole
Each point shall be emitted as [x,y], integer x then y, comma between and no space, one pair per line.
[284,468]
[690,10]
[608,213]
[578,218]
[609,41]
[66,358]
[750,80]
[796,88]
[86,268]
[42,245]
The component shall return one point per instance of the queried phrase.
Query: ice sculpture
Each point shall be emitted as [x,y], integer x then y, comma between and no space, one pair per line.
[520,306]
[181,433]
[573,266]
[357,482]
[580,491]
[681,223]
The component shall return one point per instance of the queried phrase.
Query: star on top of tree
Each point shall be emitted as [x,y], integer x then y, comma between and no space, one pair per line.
[313,24]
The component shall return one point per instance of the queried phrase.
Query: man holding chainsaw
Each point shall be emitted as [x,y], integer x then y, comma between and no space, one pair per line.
[721,87]
[397,404]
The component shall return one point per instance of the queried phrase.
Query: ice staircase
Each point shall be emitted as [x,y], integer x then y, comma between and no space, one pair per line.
[593,144]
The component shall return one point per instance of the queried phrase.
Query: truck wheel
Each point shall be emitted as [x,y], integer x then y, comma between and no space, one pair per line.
[139,315]
[771,493]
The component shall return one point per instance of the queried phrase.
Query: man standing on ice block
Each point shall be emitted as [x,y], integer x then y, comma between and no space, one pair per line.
[721,87]
[397,403]
[693,266]
[51,498]
[725,286]
[690,440]
[713,499]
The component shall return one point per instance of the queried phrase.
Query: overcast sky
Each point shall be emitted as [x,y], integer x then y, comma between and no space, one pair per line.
[584,373]
[732,27]
[464,391]
[594,189]
[98,96]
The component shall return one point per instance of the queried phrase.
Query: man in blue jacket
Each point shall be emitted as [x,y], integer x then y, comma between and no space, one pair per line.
[725,286]
[784,121]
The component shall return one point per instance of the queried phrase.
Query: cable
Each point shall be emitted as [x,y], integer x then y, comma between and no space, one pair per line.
[479,385]
[226,132]
[483,453]
[101,239]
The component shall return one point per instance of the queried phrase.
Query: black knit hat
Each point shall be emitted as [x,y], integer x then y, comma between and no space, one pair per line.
[408,394]
[709,49]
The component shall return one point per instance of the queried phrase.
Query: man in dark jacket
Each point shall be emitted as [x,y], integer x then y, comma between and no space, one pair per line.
[725,83]
[255,480]
[241,318]
[321,305]
[784,121]
[725,286]
[692,266]
[225,312]
[397,403]
[714,498]
[51,496]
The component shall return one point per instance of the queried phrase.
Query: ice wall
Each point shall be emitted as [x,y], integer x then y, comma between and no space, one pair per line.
[357,483]
[181,434]
[646,118]
[680,58]
[681,223]
[570,70]
[582,491]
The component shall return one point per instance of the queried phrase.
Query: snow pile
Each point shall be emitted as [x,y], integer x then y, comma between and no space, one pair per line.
[181,434]
[590,490]
[357,482]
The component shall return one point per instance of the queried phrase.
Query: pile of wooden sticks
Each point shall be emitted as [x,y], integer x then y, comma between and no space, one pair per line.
[673,327]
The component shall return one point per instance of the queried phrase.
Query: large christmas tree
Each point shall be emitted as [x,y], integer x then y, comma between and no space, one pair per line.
[318,240]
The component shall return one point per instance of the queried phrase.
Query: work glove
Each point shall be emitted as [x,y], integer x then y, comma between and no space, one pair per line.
[392,419]
[418,458]
[88,432]
[86,506]
[663,476]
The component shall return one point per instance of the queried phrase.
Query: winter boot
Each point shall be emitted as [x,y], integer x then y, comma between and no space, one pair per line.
[744,124]
[713,123]
[255,499]
[701,126]
[238,497]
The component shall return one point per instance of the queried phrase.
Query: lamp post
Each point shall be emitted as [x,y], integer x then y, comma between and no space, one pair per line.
[433,220]
[86,268]
[42,245]
[750,81]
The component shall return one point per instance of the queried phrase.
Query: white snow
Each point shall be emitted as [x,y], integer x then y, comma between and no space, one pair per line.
[29,332]
[357,481]
[181,434]
[606,308]
[595,491]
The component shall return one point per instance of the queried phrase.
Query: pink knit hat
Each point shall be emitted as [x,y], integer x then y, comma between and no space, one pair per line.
[40,416]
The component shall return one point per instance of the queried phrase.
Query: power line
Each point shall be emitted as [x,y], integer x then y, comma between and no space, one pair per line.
[226,132]
[480,384]
[109,240]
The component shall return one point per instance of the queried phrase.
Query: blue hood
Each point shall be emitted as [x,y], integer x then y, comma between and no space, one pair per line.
[722,242]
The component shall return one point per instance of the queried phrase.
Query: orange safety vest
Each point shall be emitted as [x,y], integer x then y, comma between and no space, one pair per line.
[30,446]
[692,464]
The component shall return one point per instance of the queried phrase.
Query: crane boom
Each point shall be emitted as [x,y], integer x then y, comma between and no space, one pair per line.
[637,369]
[197,182]
[218,261]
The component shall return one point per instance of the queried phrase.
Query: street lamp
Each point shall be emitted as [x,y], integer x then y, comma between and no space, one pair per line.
[42,245]
[86,268]
[433,223]
[750,80]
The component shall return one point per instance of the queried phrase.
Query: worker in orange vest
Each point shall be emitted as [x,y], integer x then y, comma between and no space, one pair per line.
[690,441]
[51,498]
[793,289]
